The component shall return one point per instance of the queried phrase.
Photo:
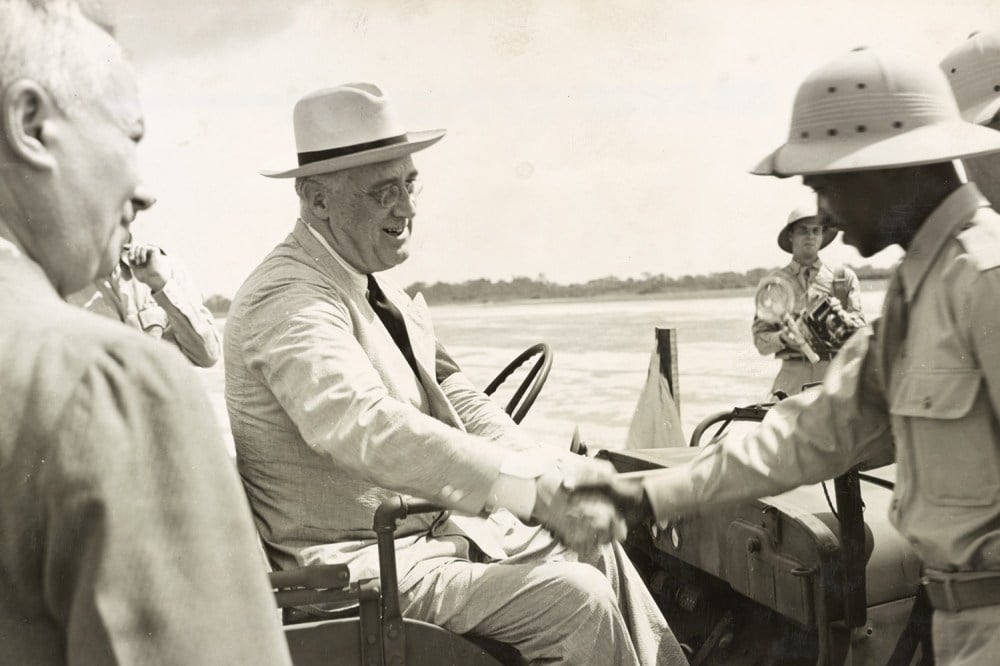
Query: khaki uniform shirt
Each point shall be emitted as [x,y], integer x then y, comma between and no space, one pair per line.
[174,313]
[820,283]
[939,405]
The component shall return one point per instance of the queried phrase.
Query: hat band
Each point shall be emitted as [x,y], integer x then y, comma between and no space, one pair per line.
[318,155]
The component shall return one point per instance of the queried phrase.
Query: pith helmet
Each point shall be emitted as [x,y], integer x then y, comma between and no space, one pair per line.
[866,110]
[973,70]
[803,212]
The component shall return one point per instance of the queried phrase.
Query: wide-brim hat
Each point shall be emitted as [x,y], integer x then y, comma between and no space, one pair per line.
[799,213]
[973,70]
[349,126]
[867,111]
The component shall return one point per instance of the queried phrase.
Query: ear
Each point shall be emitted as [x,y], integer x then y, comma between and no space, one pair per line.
[317,199]
[25,109]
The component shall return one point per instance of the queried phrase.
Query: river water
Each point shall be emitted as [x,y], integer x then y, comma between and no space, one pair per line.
[602,351]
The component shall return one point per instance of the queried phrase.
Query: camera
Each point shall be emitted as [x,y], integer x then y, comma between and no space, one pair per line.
[828,326]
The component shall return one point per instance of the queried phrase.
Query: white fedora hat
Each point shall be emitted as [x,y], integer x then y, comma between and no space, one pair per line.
[349,126]
[799,213]
[973,70]
[866,111]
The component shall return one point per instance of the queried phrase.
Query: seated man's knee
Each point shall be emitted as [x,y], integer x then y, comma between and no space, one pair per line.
[582,587]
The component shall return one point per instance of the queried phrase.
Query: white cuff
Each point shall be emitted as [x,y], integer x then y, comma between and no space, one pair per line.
[514,489]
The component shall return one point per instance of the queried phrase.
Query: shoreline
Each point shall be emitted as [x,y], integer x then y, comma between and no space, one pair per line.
[680,294]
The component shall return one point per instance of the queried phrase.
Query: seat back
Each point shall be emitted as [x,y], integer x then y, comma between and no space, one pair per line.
[372,632]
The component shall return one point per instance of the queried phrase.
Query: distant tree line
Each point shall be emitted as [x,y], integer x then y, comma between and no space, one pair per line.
[520,288]
[218,305]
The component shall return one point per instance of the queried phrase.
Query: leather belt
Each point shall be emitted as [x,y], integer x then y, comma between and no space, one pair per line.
[802,359]
[960,591]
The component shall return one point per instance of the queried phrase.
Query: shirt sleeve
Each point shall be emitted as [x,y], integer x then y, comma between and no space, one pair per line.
[150,555]
[854,293]
[766,337]
[807,438]
[190,325]
[526,460]
[983,324]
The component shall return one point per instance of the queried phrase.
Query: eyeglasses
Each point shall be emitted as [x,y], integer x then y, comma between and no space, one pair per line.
[388,196]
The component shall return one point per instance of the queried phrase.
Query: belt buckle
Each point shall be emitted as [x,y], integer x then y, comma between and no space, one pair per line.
[947,584]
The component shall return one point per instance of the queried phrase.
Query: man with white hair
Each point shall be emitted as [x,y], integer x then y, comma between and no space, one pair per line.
[340,397]
[875,137]
[124,535]
[973,70]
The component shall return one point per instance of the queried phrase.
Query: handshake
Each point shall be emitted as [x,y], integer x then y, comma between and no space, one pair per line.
[586,504]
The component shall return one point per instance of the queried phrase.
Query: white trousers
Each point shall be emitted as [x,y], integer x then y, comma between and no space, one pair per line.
[554,608]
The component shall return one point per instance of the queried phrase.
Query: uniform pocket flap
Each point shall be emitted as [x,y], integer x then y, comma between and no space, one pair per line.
[936,394]
[152,316]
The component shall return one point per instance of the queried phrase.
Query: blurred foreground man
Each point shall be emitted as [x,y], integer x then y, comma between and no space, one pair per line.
[124,536]
[340,397]
[803,236]
[874,136]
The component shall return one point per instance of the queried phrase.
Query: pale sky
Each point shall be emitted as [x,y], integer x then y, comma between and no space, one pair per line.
[585,139]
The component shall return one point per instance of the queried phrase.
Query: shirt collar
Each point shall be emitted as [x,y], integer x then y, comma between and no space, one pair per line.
[357,277]
[9,249]
[940,226]
[797,267]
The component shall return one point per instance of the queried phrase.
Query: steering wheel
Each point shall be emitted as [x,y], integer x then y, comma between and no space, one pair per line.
[751,413]
[524,396]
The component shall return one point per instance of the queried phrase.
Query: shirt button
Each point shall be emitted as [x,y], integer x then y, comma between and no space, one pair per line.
[927,402]
[452,493]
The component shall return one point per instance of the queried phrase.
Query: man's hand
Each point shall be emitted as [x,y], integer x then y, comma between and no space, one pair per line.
[854,319]
[790,338]
[581,519]
[626,494]
[148,264]
[630,500]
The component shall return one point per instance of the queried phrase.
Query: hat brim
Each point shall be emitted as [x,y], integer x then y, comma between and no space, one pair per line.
[983,112]
[929,144]
[415,141]
[785,235]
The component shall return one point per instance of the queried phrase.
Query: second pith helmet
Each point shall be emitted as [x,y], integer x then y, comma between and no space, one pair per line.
[973,70]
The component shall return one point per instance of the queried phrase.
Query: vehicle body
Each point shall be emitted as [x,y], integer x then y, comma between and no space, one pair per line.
[781,580]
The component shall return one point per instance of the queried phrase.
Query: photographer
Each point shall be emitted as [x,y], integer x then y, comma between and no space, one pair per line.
[804,235]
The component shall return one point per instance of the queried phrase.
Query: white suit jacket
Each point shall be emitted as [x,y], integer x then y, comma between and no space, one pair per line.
[329,419]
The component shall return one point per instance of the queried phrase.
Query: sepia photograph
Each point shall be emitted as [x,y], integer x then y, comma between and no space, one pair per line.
[468,332]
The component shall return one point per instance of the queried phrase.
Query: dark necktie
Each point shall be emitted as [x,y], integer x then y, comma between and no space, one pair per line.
[806,273]
[392,319]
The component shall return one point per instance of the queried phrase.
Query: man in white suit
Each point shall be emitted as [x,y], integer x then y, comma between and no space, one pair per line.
[340,397]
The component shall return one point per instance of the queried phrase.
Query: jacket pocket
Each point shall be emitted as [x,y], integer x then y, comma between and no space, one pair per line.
[949,420]
[153,320]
